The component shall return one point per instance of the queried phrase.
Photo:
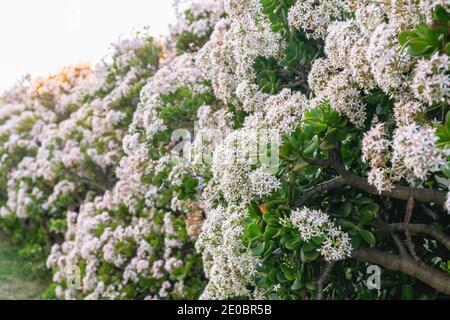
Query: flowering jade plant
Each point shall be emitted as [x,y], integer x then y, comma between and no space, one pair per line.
[66,148]
[266,149]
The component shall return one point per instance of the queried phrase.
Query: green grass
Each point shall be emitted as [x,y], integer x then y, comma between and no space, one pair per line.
[16,281]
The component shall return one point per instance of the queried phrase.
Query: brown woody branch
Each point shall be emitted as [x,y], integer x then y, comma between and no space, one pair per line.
[403,263]
[397,240]
[325,186]
[399,244]
[294,85]
[433,215]
[409,242]
[416,229]
[397,192]
[323,277]
[432,277]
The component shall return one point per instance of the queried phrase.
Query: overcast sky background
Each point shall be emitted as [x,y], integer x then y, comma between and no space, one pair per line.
[40,36]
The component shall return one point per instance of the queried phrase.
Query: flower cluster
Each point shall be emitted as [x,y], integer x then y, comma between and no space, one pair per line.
[413,153]
[236,43]
[431,80]
[314,223]
[314,17]
[197,20]
[234,160]
[229,265]
[415,148]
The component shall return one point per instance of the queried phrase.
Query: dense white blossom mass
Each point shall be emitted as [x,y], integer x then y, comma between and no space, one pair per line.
[152,164]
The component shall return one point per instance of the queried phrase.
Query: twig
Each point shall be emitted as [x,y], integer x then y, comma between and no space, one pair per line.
[433,215]
[397,241]
[323,277]
[409,242]
[325,186]
[399,244]
[294,85]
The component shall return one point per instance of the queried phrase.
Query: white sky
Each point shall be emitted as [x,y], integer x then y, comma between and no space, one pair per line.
[39,36]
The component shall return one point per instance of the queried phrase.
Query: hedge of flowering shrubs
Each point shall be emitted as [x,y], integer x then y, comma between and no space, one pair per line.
[266,149]
[62,141]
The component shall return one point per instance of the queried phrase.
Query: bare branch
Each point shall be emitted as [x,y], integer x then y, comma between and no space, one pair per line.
[400,192]
[397,240]
[317,162]
[297,84]
[325,186]
[399,244]
[432,277]
[409,210]
[397,192]
[323,277]
[416,229]
[409,242]
[433,215]
[293,85]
